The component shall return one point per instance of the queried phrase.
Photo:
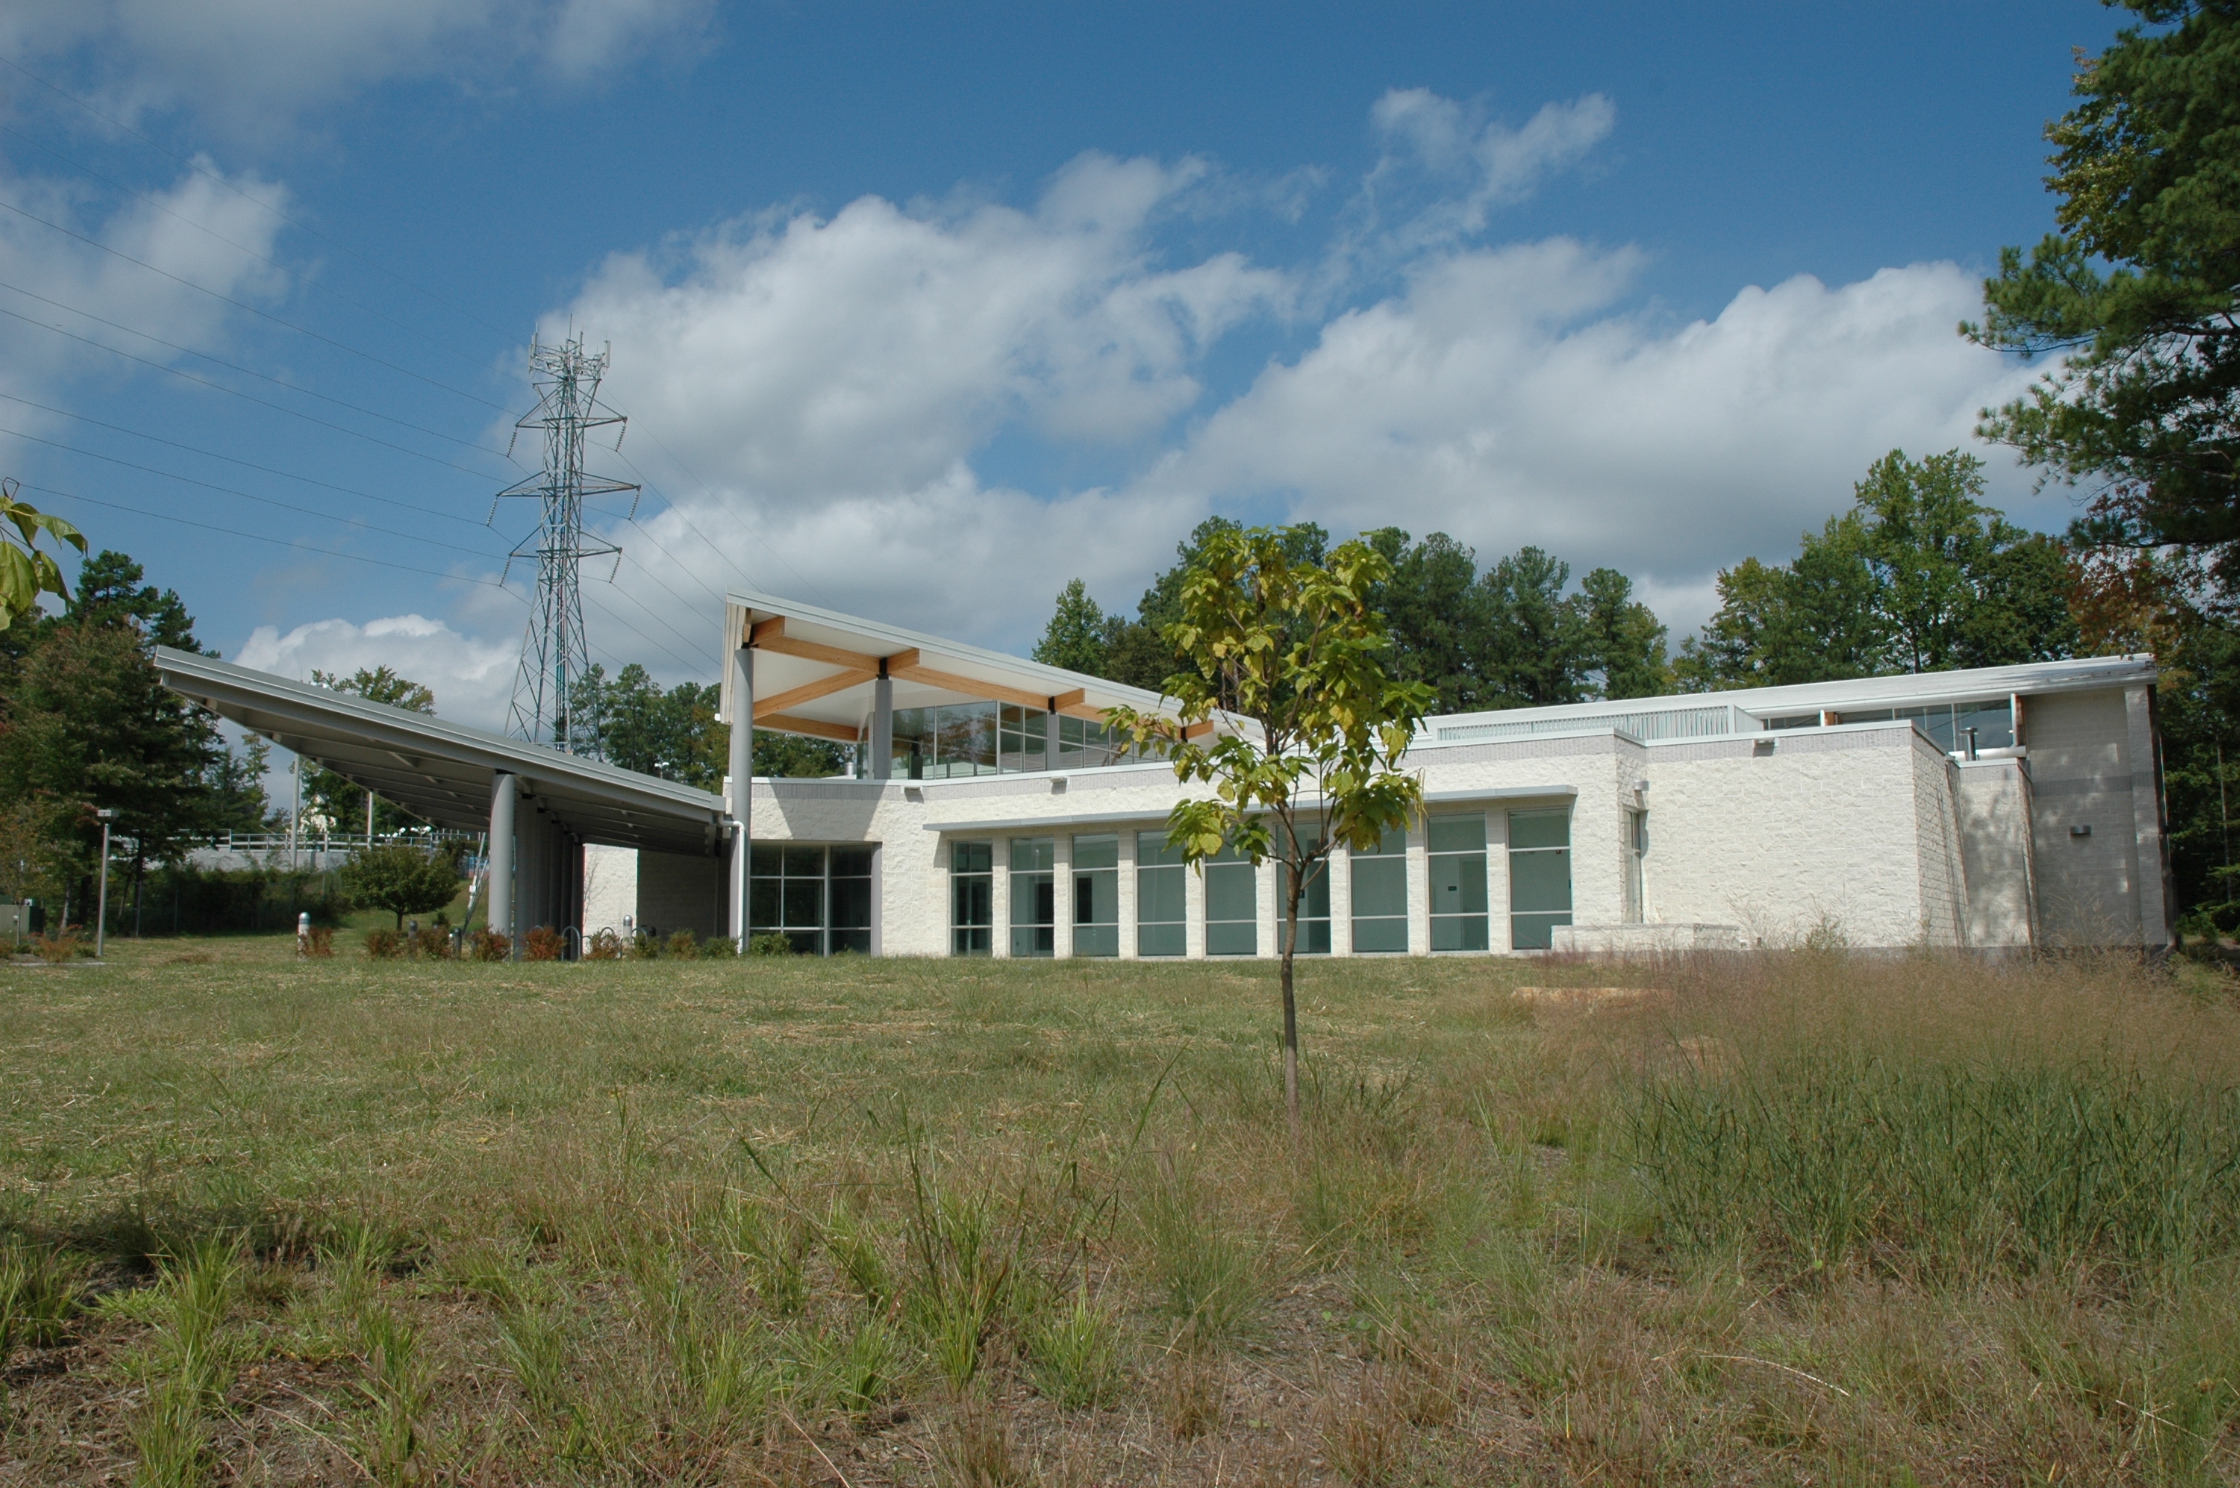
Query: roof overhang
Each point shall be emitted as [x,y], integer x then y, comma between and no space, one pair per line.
[444,772]
[816,672]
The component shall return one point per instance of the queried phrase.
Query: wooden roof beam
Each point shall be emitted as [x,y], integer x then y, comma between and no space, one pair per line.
[815,728]
[808,692]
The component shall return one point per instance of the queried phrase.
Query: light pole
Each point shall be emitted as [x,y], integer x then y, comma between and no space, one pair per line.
[101,913]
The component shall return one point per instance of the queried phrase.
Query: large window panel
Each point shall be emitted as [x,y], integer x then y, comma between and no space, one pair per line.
[1457,863]
[1096,895]
[972,898]
[1539,876]
[818,898]
[1033,896]
[1232,905]
[1162,897]
[1380,895]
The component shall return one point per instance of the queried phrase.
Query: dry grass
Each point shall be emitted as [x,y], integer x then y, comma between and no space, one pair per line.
[780,1222]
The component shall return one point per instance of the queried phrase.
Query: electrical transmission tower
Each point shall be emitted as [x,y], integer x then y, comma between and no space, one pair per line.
[554,654]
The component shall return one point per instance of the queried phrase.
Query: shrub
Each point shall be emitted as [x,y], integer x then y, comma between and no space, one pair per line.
[643,946]
[718,947]
[543,943]
[769,943]
[604,945]
[432,942]
[57,948]
[322,940]
[402,878]
[489,945]
[384,945]
[683,945]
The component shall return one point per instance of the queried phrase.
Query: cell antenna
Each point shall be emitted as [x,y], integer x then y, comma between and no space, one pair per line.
[554,653]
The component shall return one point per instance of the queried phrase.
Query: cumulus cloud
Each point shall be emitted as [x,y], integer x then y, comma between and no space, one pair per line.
[472,679]
[250,66]
[198,231]
[1503,399]
[865,354]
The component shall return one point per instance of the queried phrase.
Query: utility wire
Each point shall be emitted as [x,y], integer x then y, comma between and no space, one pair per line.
[277,542]
[279,382]
[202,170]
[212,233]
[247,464]
[641,635]
[244,495]
[253,310]
[187,376]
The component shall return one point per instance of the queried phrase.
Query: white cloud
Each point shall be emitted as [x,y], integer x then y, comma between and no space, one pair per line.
[1501,398]
[472,679]
[198,231]
[864,355]
[250,66]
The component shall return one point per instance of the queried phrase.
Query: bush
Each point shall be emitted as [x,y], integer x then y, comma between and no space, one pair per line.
[432,942]
[63,945]
[769,943]
[683,945]
[643,946]
[384,945]
[489,945]
[322,941]
[183,899]
[604,945]
[718,948]
[543,944]
[403,878]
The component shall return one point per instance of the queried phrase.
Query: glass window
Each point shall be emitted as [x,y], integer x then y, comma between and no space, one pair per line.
[1993,723]
[1637,852]
[1380,895]
[1314,908]
[936,743]
[1033,896]
[1096,896]
[1459,916]
[1022,735]
[1539,876]
[1162,913]
[817,898]
[1232,905]
[972,895]
[849,896]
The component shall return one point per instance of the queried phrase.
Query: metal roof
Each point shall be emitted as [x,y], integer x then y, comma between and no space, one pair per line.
[815,672]
[441,771]
[1751,706]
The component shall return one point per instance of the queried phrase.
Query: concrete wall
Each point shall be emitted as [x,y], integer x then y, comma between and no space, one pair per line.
[610,888]
[1993,800]
[2084,820]
[677,891]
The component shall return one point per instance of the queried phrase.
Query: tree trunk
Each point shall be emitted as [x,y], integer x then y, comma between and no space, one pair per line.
[1290,946]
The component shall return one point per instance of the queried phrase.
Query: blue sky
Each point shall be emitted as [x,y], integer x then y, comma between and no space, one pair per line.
[921,311]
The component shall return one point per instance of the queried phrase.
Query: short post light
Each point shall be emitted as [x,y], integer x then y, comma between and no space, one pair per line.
[107,815]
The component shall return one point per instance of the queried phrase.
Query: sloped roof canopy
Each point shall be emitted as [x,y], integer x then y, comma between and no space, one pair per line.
[442,772]
[816,670]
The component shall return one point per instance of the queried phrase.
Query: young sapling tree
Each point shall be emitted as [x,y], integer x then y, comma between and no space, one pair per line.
[1288,711]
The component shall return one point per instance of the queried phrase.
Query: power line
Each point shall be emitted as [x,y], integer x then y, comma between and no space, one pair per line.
[245,464]
[251,309]
[641,635]
[279,382]
[244,495]
[201,170]
[214,234]
[277,542]
[298,413]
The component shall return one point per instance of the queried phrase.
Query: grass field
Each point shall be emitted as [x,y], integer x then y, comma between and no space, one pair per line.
[1782,1218]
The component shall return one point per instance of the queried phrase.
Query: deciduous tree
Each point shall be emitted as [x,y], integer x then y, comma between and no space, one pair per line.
[1291,665]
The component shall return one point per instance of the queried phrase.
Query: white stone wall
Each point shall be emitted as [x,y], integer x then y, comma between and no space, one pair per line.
[1779,833]
[1936,825]
[610,888]
[1993,799]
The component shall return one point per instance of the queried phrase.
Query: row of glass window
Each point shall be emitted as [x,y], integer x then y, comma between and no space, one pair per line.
[996,739]
[1956,727]
[819,898]
[1539,893]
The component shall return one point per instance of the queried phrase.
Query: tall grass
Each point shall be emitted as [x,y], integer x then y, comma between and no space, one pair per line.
[1940,1118]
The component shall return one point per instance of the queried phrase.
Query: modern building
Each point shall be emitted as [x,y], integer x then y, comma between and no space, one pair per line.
[992,813]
